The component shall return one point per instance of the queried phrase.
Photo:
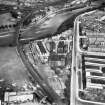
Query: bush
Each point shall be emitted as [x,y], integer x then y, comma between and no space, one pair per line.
[91,94]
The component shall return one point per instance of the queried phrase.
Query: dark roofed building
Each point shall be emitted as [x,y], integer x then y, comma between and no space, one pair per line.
[53,56]
[60,47]
[56,60]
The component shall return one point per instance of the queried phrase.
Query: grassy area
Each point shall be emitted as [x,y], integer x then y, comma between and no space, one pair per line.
[11,66]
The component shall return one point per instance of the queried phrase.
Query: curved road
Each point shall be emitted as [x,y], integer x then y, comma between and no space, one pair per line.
[50,26]
[37,75]
[47,27]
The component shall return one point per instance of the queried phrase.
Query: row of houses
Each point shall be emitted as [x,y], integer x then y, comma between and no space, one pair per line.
[18,97]
[93,70]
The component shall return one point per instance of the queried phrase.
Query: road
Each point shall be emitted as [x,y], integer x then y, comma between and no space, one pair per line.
[52,25]
[39,77]
[75,100]
[49,26]
[73,70]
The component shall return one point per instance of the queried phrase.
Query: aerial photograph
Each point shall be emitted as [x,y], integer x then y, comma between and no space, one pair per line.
[52,52]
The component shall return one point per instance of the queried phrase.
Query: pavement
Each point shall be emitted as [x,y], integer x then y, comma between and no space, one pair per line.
[74,85]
